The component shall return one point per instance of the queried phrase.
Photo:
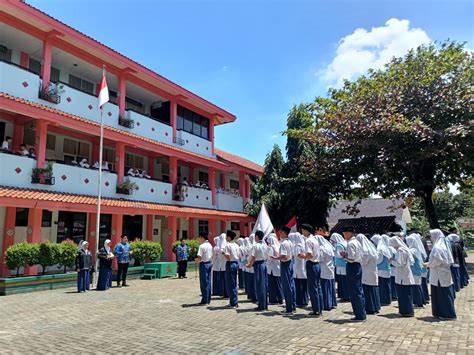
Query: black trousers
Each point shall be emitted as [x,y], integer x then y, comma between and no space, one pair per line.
[122,272]
[182,267]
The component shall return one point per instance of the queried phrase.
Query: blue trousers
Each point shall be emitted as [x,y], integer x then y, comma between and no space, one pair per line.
[301,291]
[105,279]
[260,269]
[288,285]
[275,294]
[464,276]
[83,280]
[241,279]
[417,293]
[313,272]
[328,292]
[342,291]
[405,299]
[250,284]
[205,269]
[385,291]
[216,283]
[222,287]
[354,283]
[231,270]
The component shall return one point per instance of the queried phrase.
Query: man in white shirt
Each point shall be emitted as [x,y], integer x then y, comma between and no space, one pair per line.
[257,260]
[313,269]
[353,256]
[7,143]
[23,151]
[286,266]
[231,254]
[204,256]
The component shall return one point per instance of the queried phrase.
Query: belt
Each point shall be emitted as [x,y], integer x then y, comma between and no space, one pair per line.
[313,262]
[232,261]
[259,261]
[205,262]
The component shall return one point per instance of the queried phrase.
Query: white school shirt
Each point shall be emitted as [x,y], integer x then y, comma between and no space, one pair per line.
[5,145]
[440,274]
[259,252]
[286,249]
[299,267]
[232,250]
[370,276]
[403,274]
[354,250]
[216,258]
[327,267]
[205,251]
[312,246]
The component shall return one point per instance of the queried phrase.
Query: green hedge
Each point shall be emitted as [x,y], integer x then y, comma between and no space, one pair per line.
[193,246]
[145,250]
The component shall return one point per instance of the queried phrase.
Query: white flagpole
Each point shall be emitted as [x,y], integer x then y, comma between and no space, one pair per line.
[99,195]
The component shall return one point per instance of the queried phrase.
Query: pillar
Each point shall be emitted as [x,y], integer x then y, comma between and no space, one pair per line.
[247,189]
[173,162]
[212,230]
[91,234]
[212,184]
[149,227]
[24,60]
[173,113]
[46,62]
[191,173]
[122,94]
[191,228]
[8,237]
[151,166]
[120,160]
[95,151]
[33,234]
[242,184]
[222,180]
[116,233]
[18,130]
[40,146]
[171,238]
[211,134]
[223,226]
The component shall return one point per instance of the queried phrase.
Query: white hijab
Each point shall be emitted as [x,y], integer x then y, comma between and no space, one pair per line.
[273,244]
[382,245]
[107,248]
[326,247]
[421,245]
[454,238]
[82,246]
[336,239]
[441,250]
[412,243]
[386,240]
[298,242]
[368,248]
[402,249]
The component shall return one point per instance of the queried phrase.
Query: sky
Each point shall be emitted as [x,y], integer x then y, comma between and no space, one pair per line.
[258,58]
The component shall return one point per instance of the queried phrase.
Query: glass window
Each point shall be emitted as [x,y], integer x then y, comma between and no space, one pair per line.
[51,142]
[75,82]
[46,218]
[196,124]
[234,184]
[204,177]
[81,84]
[235,226]
[179,123]
[205,128]
[69,146]
[29,135]
[203,226]
[192,122]
[54,76]
[5,53]
[87,87]
[188,121]
[21,219]
[34,66]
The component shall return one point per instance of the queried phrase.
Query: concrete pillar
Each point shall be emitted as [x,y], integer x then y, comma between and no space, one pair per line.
[33,234]
[8,237]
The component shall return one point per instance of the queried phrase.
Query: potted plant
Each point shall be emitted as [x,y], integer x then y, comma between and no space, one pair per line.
[126,122]
[126,187]
[43,175]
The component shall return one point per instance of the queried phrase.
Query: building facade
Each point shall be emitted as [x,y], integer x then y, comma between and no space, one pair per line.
[164,178]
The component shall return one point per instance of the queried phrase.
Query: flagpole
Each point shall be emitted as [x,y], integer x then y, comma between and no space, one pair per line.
[99,195]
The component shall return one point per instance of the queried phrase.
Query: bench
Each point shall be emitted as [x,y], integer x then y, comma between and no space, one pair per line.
[151,271]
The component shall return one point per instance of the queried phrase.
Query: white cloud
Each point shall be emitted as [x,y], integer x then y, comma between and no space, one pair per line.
[362,50]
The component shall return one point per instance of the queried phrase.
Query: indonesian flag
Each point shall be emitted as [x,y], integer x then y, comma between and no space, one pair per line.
[263,222]
[103,92]
[292,224]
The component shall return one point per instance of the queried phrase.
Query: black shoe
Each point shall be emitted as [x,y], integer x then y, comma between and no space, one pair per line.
[316,314]
[118,284]
[355,319]
[258,309]
[125,285]
[286,313]
[232,307]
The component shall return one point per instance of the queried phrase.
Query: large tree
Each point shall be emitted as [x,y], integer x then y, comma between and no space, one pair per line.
[403,130]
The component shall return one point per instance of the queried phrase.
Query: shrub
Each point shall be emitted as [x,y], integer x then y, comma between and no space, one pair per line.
[145,250]
[193,246]
[48,254]
[67,254]
[21,254]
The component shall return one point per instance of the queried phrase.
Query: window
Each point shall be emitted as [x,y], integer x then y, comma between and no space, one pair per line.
[21,219]
[161,112]
[51,142]
[131,104]
[81,84]
[108,155]
[46,218]
[203,177]
[134,161]
[203,226]
[192,122]
[5,53]
[35,67]
[235,226]
[71,225]
[29,137]
[234,185]
[78,150]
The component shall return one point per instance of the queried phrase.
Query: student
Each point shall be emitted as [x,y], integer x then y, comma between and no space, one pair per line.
[257,260]
[328,283]
[122,252]
[84,164]
[83,267]
[231,254]
[313,269]
[416,269]
[370,281]
[339,245]
[441,281]
[23,151]
[249,270]
[131,172]
[240,275]
[106,257]
[204,256]
[285,256]
[275,294]
[403,260]
[222,266]
[458,257]
[216,262]
[383,268]
[424,270]
[182,256]
[353,256]
[32,153]
[7,143]
[299,267]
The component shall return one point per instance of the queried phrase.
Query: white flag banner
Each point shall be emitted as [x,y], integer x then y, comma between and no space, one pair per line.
[263,222]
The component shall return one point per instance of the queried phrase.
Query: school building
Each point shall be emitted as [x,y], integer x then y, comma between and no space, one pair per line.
[158,144]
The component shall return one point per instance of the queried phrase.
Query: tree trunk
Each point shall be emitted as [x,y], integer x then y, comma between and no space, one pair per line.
[430,209]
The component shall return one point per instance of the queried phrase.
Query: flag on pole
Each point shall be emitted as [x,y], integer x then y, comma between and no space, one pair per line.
[263,222]
[293,225]
[103,92]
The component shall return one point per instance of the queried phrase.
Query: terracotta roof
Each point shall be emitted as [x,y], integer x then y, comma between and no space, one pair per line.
[369,225]
[31,195]
[235,159]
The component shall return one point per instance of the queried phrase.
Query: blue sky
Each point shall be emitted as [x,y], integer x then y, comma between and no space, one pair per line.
[258,58]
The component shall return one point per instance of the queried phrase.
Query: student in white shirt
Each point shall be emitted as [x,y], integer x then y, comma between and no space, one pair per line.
[7,143]
[383,268]
[131,172]
[23,151]
[313,269]
[231,254]
[204,256]
[370,277]
[84,164]
[257,260]
[240,275]
[353,256]
[299,267]
[249,272]
[275,294]
[441,281]
[339,245]
[285,256]
[417,269]
[326,261]
[217,285]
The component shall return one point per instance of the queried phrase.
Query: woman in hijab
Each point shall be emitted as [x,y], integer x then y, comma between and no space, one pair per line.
[275,293]
[416,269]
[105,256]
[403,260]
[240,242]
[459,251]
[383,268]
[424,270]
[441,281]
[83,266]
[216,262]
[250,272]
[301,284]
[457,257]
[339,245]
[393,268]
[370,280]
[328,283]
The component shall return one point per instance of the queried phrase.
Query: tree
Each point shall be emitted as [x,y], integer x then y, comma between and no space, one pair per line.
[404,130]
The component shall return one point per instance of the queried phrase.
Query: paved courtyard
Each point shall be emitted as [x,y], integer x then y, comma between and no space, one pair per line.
[156,317]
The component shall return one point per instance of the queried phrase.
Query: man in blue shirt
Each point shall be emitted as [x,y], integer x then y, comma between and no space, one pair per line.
[122,252]
[182,255]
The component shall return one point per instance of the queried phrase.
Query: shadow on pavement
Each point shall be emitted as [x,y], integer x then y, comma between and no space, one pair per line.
[342,321]
[390,315]
[219,308]
[189,305]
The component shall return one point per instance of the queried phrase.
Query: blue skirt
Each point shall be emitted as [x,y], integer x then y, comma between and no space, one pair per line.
[424,288]
[105,279]
[464,276]
[418,298]
[385,291]
[275,293]
[405,300]
[328,288]
[456,278]
[301,291]
[442,302]
[394,288]
[342,291]
[372,299]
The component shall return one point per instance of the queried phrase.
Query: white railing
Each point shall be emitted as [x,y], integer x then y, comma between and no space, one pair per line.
[196,197]
[228,202]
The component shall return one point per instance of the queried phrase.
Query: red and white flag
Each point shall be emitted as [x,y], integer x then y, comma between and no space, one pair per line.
[103,92]
[292,224]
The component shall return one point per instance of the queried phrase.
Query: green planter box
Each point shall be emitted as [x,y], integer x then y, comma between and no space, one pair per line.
[14,285]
